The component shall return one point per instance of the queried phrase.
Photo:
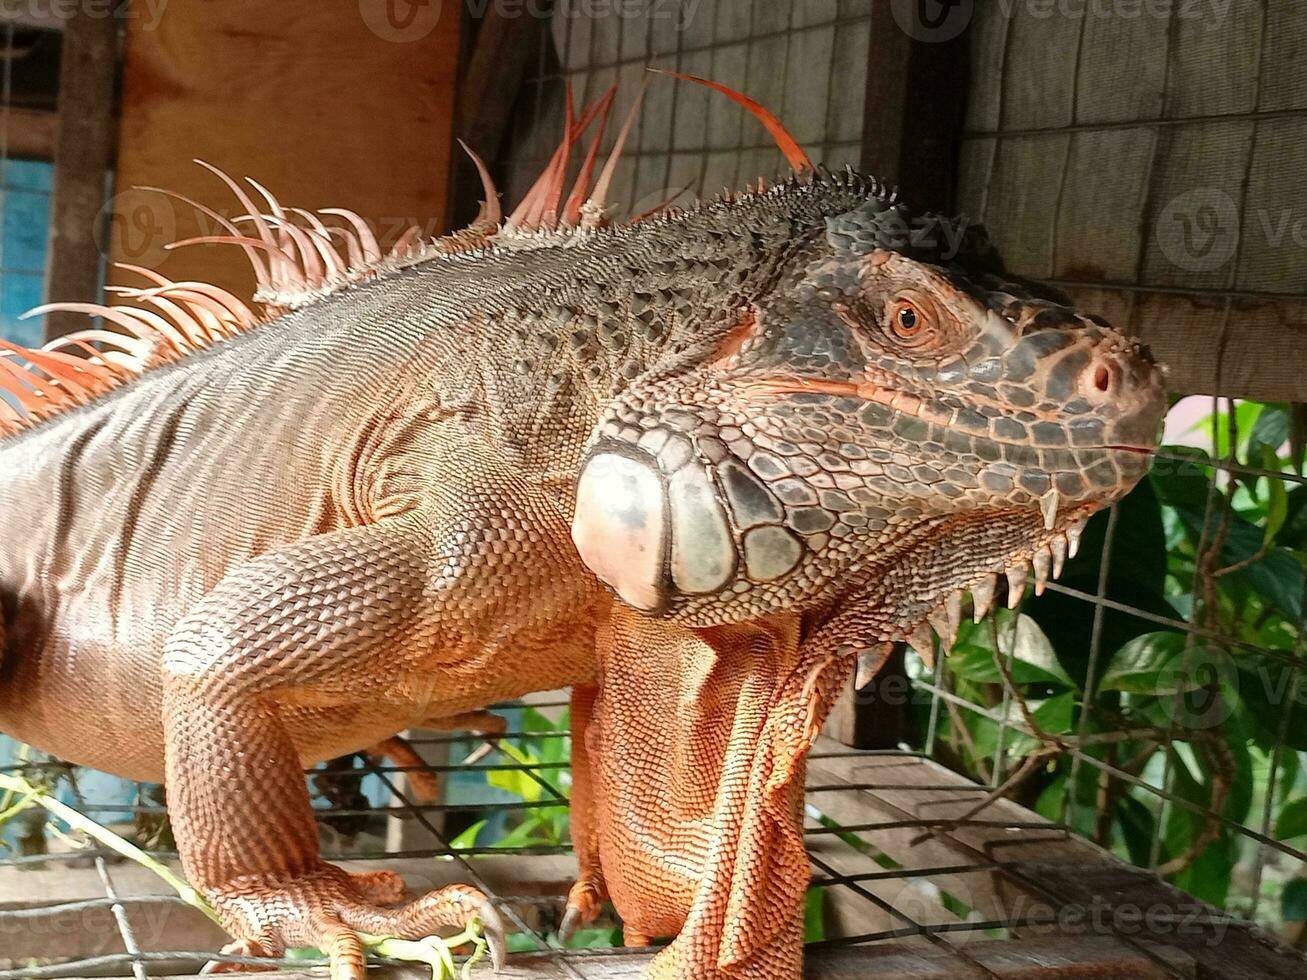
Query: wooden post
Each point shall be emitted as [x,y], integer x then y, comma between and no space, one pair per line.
[489,85]
[83,158]
[915,106]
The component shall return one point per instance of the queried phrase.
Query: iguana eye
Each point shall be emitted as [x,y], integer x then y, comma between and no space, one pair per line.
[911,322]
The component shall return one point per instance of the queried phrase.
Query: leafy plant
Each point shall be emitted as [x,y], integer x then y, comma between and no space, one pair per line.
[1185,678]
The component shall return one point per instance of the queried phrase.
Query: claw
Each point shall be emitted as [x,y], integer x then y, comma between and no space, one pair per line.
[572,919]
[241,947]
[492,928]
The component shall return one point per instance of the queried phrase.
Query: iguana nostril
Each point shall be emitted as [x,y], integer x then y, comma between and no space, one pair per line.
[1102,378]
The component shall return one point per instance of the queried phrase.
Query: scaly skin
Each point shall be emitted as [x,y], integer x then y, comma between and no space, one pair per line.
[362,516]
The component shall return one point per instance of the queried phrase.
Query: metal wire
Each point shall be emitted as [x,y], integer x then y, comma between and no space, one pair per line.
[539,114]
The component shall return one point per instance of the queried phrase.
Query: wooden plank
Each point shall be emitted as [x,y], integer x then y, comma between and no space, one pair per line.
[1039,74]
[327,105]
[1121,73]
[1211,55]
[1142,901]
[1087,247]
[92,931]
[1044,959]
[30,134]
[84,149]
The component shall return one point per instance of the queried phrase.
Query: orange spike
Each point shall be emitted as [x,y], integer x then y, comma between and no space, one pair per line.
[265,233]
[32,392]
[491,211]
[549,216]
[75,373]
[10,420]
[406,242]
[368,241]
[657,208]
[262,276]
[794,153]
[594,206]
[135,346]
[572,209]
[131,319]
[242,240]
[116,373]
[310,268]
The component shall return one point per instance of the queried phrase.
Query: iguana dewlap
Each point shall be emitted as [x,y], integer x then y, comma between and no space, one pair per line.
[784,428]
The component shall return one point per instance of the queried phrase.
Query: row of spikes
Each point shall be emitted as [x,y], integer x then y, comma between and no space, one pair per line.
[297,257]
[171,319]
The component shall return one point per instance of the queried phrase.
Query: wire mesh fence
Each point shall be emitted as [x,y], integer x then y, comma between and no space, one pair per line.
[1149,701]
[903,852]
[1151,698]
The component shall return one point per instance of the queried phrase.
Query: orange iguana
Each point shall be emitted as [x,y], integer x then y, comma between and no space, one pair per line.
[784,428]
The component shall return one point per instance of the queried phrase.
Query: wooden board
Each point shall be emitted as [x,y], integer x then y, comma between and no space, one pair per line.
[83,156]
[326,104]
[1005,864]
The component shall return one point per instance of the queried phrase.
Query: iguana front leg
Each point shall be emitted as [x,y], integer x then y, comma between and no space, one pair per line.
[588,894]
[340,620]
[700,745]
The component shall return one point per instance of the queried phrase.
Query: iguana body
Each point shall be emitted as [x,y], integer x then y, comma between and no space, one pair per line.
[362,515]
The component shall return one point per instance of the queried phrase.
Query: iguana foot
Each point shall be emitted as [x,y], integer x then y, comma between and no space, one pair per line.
[327,909]
[242,947]
[584,903]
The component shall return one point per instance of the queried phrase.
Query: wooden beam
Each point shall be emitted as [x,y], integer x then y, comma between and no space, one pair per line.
[325,104]
[917,83]
[83,155]
[30,134]
[506,40]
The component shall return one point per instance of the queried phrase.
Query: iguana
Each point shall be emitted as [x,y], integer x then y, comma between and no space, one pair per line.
[783,429]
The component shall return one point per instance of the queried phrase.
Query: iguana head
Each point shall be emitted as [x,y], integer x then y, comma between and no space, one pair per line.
[887,418]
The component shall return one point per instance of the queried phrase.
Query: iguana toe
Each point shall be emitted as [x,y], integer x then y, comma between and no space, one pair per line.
[328,908]
[584,903]
[242,947]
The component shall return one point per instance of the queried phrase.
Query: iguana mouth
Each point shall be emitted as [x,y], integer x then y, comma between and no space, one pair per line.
[907,403]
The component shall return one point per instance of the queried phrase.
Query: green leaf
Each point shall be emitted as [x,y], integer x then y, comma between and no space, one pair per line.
[468,838]
[1277,505]
[1136,578]
[516,781]
[1145,665]
[1292,820]
[532,830]
[1270,431]
[1293,903]
[1137,825]
[814,915]
[1033,659]
[1278,576]
[1264,687]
